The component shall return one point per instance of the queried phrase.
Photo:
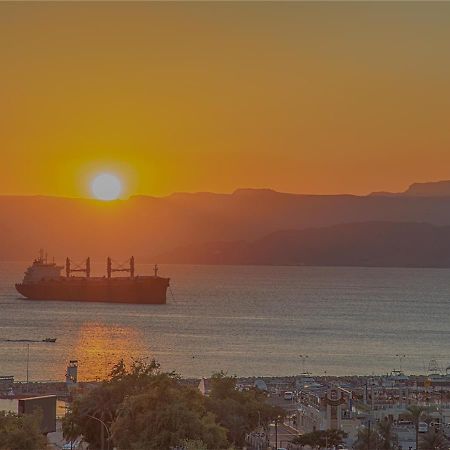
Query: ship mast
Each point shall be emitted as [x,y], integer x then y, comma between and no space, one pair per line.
[86,269]
[120,267]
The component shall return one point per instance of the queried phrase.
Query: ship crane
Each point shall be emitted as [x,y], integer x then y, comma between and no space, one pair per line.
[110,269]
[86,269]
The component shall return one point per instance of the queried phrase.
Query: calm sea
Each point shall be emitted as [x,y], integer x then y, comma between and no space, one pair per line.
[242,319]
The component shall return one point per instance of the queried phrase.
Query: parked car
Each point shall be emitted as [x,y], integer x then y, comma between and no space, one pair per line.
[75,445]
[423,427]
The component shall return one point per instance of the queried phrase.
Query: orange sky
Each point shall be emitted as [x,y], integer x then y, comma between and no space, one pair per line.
[300,97]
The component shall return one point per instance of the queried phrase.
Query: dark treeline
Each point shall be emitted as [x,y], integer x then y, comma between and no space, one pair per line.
[144,408]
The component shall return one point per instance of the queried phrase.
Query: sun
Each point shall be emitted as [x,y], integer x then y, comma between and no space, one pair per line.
[106,187]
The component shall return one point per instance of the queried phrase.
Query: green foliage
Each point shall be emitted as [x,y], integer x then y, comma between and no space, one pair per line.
[164,416]
[104,400]
[101,403]
[145,409]
[368,440]
[239,412]
[188,444]
[21,432]
[389,439]
[414,413]
[380,437]
[321,438]
[433,440]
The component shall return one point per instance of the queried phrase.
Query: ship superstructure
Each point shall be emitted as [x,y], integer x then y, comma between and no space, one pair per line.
[43,281]
[42,269]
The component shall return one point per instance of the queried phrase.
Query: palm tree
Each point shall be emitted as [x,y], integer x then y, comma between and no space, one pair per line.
[414,413]
[434,440]
[389,439]
[368,440]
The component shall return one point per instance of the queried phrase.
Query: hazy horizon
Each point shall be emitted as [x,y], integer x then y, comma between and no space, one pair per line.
[230,192]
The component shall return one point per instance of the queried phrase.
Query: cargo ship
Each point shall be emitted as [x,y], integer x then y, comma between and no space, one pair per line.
[43,280]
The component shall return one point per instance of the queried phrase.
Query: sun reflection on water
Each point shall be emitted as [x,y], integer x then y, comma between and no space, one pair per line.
[99,346]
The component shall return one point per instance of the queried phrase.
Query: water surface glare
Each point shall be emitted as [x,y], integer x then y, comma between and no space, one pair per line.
[246,320]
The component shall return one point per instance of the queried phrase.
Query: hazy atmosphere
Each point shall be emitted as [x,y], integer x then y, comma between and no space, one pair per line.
[224,225]
[299,97]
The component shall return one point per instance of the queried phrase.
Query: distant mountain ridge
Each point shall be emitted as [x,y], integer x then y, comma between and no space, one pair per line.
[146,226]
[429,189]
[435,189]
[370,244]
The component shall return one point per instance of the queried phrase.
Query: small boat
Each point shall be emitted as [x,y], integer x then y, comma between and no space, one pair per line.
[49,340]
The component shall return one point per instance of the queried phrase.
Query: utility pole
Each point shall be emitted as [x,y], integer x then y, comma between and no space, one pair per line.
[368,436]
[28,363]
[71,434]
[276,433]
[102,431]
[102,436]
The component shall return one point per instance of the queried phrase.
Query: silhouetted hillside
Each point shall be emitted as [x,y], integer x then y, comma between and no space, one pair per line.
[435,189]
[148,226]
[431,189]
[359,244]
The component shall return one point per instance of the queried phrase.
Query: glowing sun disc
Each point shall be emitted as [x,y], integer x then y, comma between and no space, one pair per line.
[106,187]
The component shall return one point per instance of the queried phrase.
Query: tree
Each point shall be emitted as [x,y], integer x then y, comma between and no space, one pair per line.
[389,439]
[368,439]
[381,437]
[165,416]
[321,438]
[414,413]
[146,409]
[239,412]
[433,440]
[21,432]
[193,445]
[103,401]
[143,409]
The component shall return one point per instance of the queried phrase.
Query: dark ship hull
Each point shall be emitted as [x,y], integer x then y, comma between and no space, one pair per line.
[140,290]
